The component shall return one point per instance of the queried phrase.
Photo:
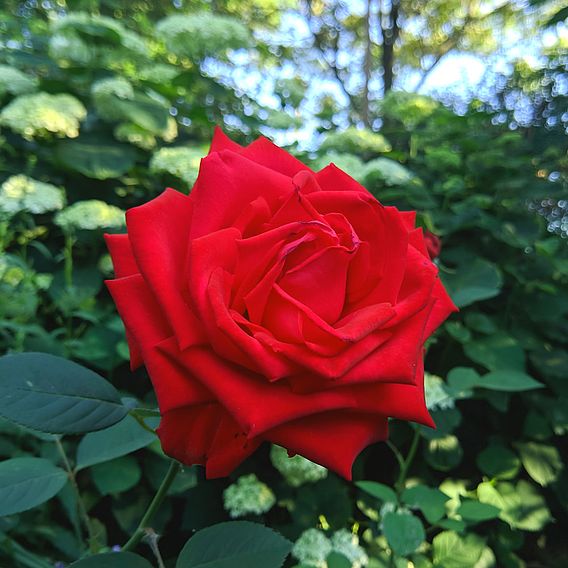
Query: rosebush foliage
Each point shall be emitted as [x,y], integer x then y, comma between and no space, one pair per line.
[95,118]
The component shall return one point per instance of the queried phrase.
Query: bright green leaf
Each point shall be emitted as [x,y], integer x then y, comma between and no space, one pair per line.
[454,551]
[542,461]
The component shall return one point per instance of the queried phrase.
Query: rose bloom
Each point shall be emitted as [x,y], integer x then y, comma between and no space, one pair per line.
[276,304]
[433,244]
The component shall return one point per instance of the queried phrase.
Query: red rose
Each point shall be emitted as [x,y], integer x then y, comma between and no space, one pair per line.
[433,244]
[276,304]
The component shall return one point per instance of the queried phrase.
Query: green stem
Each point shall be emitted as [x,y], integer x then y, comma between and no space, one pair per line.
[93,544]
[407,462]
[68,256]
[153,507]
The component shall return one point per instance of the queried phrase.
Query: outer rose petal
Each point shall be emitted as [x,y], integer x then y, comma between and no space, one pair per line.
[226,184]
[120,251]
[158,233]
[221,142]
[141,314]
[345,432]
[124,264]
[264,152]
[331,178]
[205,435]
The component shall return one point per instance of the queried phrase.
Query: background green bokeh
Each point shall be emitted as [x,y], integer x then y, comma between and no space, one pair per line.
[103,103]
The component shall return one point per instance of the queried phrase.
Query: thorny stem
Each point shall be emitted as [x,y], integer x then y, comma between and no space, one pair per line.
[141,530]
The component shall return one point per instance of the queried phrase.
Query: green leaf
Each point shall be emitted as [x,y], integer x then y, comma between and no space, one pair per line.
[508,381]
[444,453]
[236,544]
[123,438]
[28,482]
[112,560]
[116,476]
[496,352]
[429,500]
[337,560]
[452,525]
[476,511]
[94,158]
[542,461]
[378,490]
[454,551]
[145,112]
[472,282]
[522,507]
[403,531]
[461,380]
[54,395]
[498,461]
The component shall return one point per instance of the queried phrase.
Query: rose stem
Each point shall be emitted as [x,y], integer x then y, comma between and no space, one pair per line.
[153,507]
[399,485]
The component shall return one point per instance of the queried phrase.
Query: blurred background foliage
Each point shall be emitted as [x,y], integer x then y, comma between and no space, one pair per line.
[105,102]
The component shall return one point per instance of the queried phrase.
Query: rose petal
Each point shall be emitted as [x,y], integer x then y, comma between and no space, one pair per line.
[226,184]
[221,141]
[137,306]
[120,251]
[331,178]
[124,264]
[325,270]
[158,234]
[264,152]
[349,433]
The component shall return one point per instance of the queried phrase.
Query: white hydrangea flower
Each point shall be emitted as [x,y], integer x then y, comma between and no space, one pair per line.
[312,548]
[117,86]
[158,73]
[21,193]
[106,91]
[200,34]
[248,496]
[90,215]
[436,395]
[296,470]
[41,113]
[180,162]
[136,135]
[15,82]
[347,544]
[386,170]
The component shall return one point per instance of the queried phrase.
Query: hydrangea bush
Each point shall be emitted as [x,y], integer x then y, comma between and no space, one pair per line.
[97,115]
